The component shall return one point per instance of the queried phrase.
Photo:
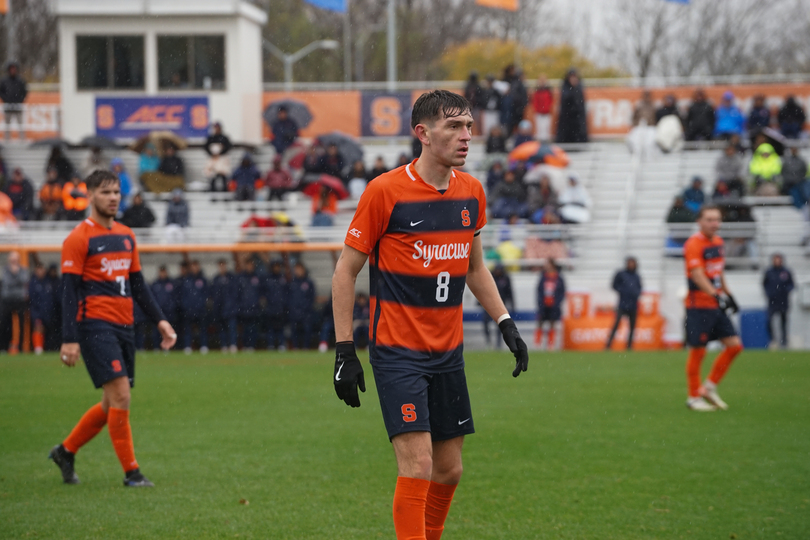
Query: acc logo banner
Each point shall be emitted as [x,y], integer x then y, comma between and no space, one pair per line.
[386,114]
[133,117]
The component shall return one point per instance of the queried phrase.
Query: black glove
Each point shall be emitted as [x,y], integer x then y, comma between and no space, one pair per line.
[727,303]
[512,338]
[348,374]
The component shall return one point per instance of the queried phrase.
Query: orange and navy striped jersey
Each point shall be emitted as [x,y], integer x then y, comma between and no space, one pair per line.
[419,242]
[103,258]
[708,254]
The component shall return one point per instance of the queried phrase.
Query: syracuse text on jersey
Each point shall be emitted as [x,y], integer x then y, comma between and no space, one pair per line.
[440,252]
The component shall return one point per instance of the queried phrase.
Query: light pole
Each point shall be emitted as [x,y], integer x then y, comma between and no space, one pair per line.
[290,59]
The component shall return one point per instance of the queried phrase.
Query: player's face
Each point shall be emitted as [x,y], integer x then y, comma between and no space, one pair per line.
[106,198]
[709,222]
[450,139]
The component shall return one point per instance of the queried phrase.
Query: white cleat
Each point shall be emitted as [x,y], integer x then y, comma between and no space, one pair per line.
[699,404]
[710,394]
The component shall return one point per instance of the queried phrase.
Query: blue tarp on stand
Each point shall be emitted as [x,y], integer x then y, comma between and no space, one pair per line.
[754,328]
[332,5]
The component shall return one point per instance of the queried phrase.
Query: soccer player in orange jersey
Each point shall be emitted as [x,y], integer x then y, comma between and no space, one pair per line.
[707,301]
[101,274]
[418,226]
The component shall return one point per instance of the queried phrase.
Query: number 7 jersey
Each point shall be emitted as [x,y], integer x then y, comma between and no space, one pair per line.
[419,243]
[103,258]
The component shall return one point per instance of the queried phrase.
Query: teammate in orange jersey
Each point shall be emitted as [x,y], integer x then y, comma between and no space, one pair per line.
[706,305]
[418,226]
[101,276]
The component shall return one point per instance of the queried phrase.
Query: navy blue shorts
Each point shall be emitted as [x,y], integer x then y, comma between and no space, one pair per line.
[705,325]
[108,351]
[412,401]
[553,313]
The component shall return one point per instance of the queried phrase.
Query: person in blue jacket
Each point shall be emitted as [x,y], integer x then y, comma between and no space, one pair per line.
[250,298]
[550,296]
[729,119]
[194,305]
[275,293]
[301,304]
[164,289]
[42,298]
[778,282]
[225,300]
[627,283]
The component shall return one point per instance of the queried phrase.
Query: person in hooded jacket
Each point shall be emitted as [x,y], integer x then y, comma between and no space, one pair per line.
[225,298]
[276,292]
[165,291]
[300,306]
[572,122]
[550,296]
[700,118]
[245,176]
[791,118]
[627,283]
[778,283]
[13,92]
[250,303]
[193,305]
[42,298]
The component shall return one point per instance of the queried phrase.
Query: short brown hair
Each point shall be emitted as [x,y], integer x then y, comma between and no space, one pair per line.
[99,178]
[432,106]
[707,207]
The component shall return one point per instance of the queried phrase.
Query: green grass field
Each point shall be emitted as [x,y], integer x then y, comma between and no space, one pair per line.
[581,446]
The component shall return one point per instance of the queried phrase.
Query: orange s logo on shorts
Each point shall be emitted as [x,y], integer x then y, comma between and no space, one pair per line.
[465,217]
[116,365]
[409,412]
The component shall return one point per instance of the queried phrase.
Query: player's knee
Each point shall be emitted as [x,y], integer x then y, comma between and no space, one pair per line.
[449,475]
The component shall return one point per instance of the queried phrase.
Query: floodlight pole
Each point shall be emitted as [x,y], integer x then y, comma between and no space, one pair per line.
[392,45]
[290,59]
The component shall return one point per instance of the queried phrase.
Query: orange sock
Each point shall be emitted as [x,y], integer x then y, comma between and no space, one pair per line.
[538,336]
[121,435]
[409,508]
[551,335]
[696,355]
[88,427]
[38,338]
[439,498]
[723,362]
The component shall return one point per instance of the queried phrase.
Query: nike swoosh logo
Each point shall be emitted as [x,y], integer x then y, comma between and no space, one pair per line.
[415,224]
[337,375]
[100,248]
[463,421]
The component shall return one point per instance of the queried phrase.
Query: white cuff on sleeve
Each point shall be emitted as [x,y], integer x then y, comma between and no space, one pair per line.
[504,317]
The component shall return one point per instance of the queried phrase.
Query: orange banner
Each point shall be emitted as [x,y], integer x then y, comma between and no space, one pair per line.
[509,5]
[40,116]
[331,111]
[591,334]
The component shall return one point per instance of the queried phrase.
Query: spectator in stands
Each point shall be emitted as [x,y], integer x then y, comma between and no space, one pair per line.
[722,192]
[193,305]
[177,217]
[138,215]
[519,101]
[760,115]
[765,169]
[165,291]
[225,305]
[43,298]
[550,296]
[333,162]
[627,283]
[494,176]
[64,167]
[504,284]
[148,160]
[13,92]
[50,197]
[117,167]
[669,107]
[301,301]
[693,196]
[13,301]
[729,119]
[575,203]
[794,171]
[699,118]
[245,177]
[524,133]
[313,162]
[278,180]
[791,118]
[360,320]
[572,122]
[403,160]
[542,102]
[7,221]
[475,95]
[217,143]
[679,213]
[251,294]
[778,283]
[491,115]
[172,164]
[21,192]
[509,197]
[542,199]
[357,179]
[496,141]
[729,166]
[645,110]
[324,207]
[276,291]
[95,161]
[285,130]
[378,169]
[74,199]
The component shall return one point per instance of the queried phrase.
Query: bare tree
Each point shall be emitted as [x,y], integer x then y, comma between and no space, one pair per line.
[36,38]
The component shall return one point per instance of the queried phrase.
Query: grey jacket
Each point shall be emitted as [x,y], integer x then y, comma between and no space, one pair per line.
[15,286]
[729,167]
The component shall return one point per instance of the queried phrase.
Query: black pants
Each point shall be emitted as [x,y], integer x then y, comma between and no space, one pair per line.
[783,316]
[7,309]
[631,319]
